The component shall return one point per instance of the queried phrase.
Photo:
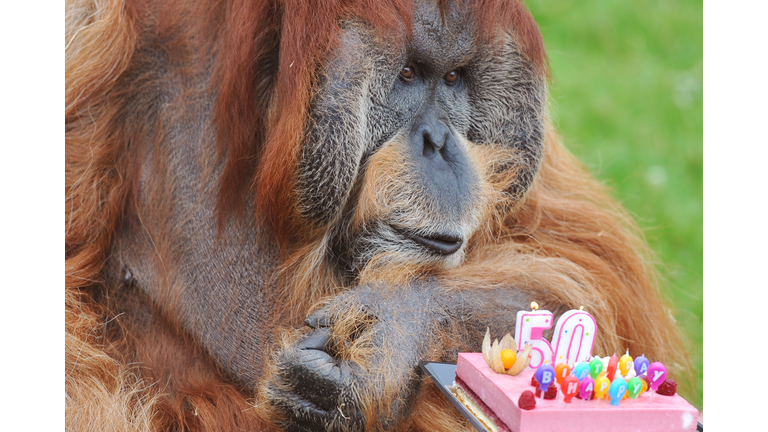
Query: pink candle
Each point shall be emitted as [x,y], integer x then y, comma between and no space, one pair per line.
[657,373]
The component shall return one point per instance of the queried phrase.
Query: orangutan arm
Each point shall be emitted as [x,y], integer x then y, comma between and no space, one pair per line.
[359,364]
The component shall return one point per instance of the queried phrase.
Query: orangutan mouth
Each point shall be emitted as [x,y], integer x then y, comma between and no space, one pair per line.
[444,244]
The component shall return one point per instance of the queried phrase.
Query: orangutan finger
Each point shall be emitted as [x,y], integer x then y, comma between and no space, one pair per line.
[318,318]
[317,340]
[315,376]
[304,416]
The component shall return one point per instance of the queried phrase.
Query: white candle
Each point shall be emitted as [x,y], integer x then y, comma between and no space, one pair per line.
[574,337]
[528,329]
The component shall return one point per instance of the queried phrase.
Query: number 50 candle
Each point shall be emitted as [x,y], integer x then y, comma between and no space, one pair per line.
[573,338]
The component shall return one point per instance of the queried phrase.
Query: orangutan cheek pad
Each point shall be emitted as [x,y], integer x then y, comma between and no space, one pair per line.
[500,394]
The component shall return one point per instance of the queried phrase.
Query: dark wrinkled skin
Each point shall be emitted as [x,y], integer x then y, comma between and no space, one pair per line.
[218,287]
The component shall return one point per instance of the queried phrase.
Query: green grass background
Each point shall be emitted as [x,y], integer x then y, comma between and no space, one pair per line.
[626,97]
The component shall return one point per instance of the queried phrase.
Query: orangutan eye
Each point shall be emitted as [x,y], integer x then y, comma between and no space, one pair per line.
[451,77]
[408,73]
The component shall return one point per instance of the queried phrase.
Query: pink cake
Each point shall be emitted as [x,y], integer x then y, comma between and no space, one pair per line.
[500,393]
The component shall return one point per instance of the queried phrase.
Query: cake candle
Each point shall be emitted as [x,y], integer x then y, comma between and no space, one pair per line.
[545,376]
[635,387]
[581,370]
[617,390]
[586,387]
[528,328]
[657,373]
[570,387]
[562,370]
[626,363]
[601,386]
[613,363]
[641,365]
[574,336]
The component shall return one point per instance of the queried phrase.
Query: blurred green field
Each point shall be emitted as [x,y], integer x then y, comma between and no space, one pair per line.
[626,97]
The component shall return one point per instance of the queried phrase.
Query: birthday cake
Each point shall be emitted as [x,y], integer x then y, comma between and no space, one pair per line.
[523,392]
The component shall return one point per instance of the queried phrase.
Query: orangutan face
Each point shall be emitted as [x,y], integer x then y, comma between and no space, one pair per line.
[406,135]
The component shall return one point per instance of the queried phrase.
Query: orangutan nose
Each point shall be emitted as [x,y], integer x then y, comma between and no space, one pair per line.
[431,137]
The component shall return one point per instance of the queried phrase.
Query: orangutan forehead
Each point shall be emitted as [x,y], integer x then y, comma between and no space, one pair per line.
[451,22]
[436,36]
[444,35]
[453,30]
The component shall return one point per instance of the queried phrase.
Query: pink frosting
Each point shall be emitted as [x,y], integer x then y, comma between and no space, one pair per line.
[647,413]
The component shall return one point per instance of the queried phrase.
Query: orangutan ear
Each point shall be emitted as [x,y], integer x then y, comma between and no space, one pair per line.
[335,138]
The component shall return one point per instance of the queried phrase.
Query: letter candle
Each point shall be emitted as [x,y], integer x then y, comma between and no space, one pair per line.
[601,387]
[562,370]
[581,370]
[635,387]
[617,390]
[570,387]
[595,367]
[641,365]
[545,375]
[586,387]
[657,373]
[528,328]
[625,363]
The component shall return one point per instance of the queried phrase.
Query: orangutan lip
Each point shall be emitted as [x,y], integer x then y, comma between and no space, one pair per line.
[445,244]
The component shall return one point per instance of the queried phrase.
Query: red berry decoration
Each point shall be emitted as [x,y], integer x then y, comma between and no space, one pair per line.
[534,382]
[667,388]
[527,401]
[591,396]
[550,394]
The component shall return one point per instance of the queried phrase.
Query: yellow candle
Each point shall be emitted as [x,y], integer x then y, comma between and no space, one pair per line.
[625,363]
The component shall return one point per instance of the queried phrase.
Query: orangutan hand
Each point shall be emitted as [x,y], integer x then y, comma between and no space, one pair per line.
[358,367]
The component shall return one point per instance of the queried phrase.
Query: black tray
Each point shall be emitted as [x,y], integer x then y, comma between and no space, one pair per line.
[444,374]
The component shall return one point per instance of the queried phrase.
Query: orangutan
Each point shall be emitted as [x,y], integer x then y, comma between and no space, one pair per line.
[276,208]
